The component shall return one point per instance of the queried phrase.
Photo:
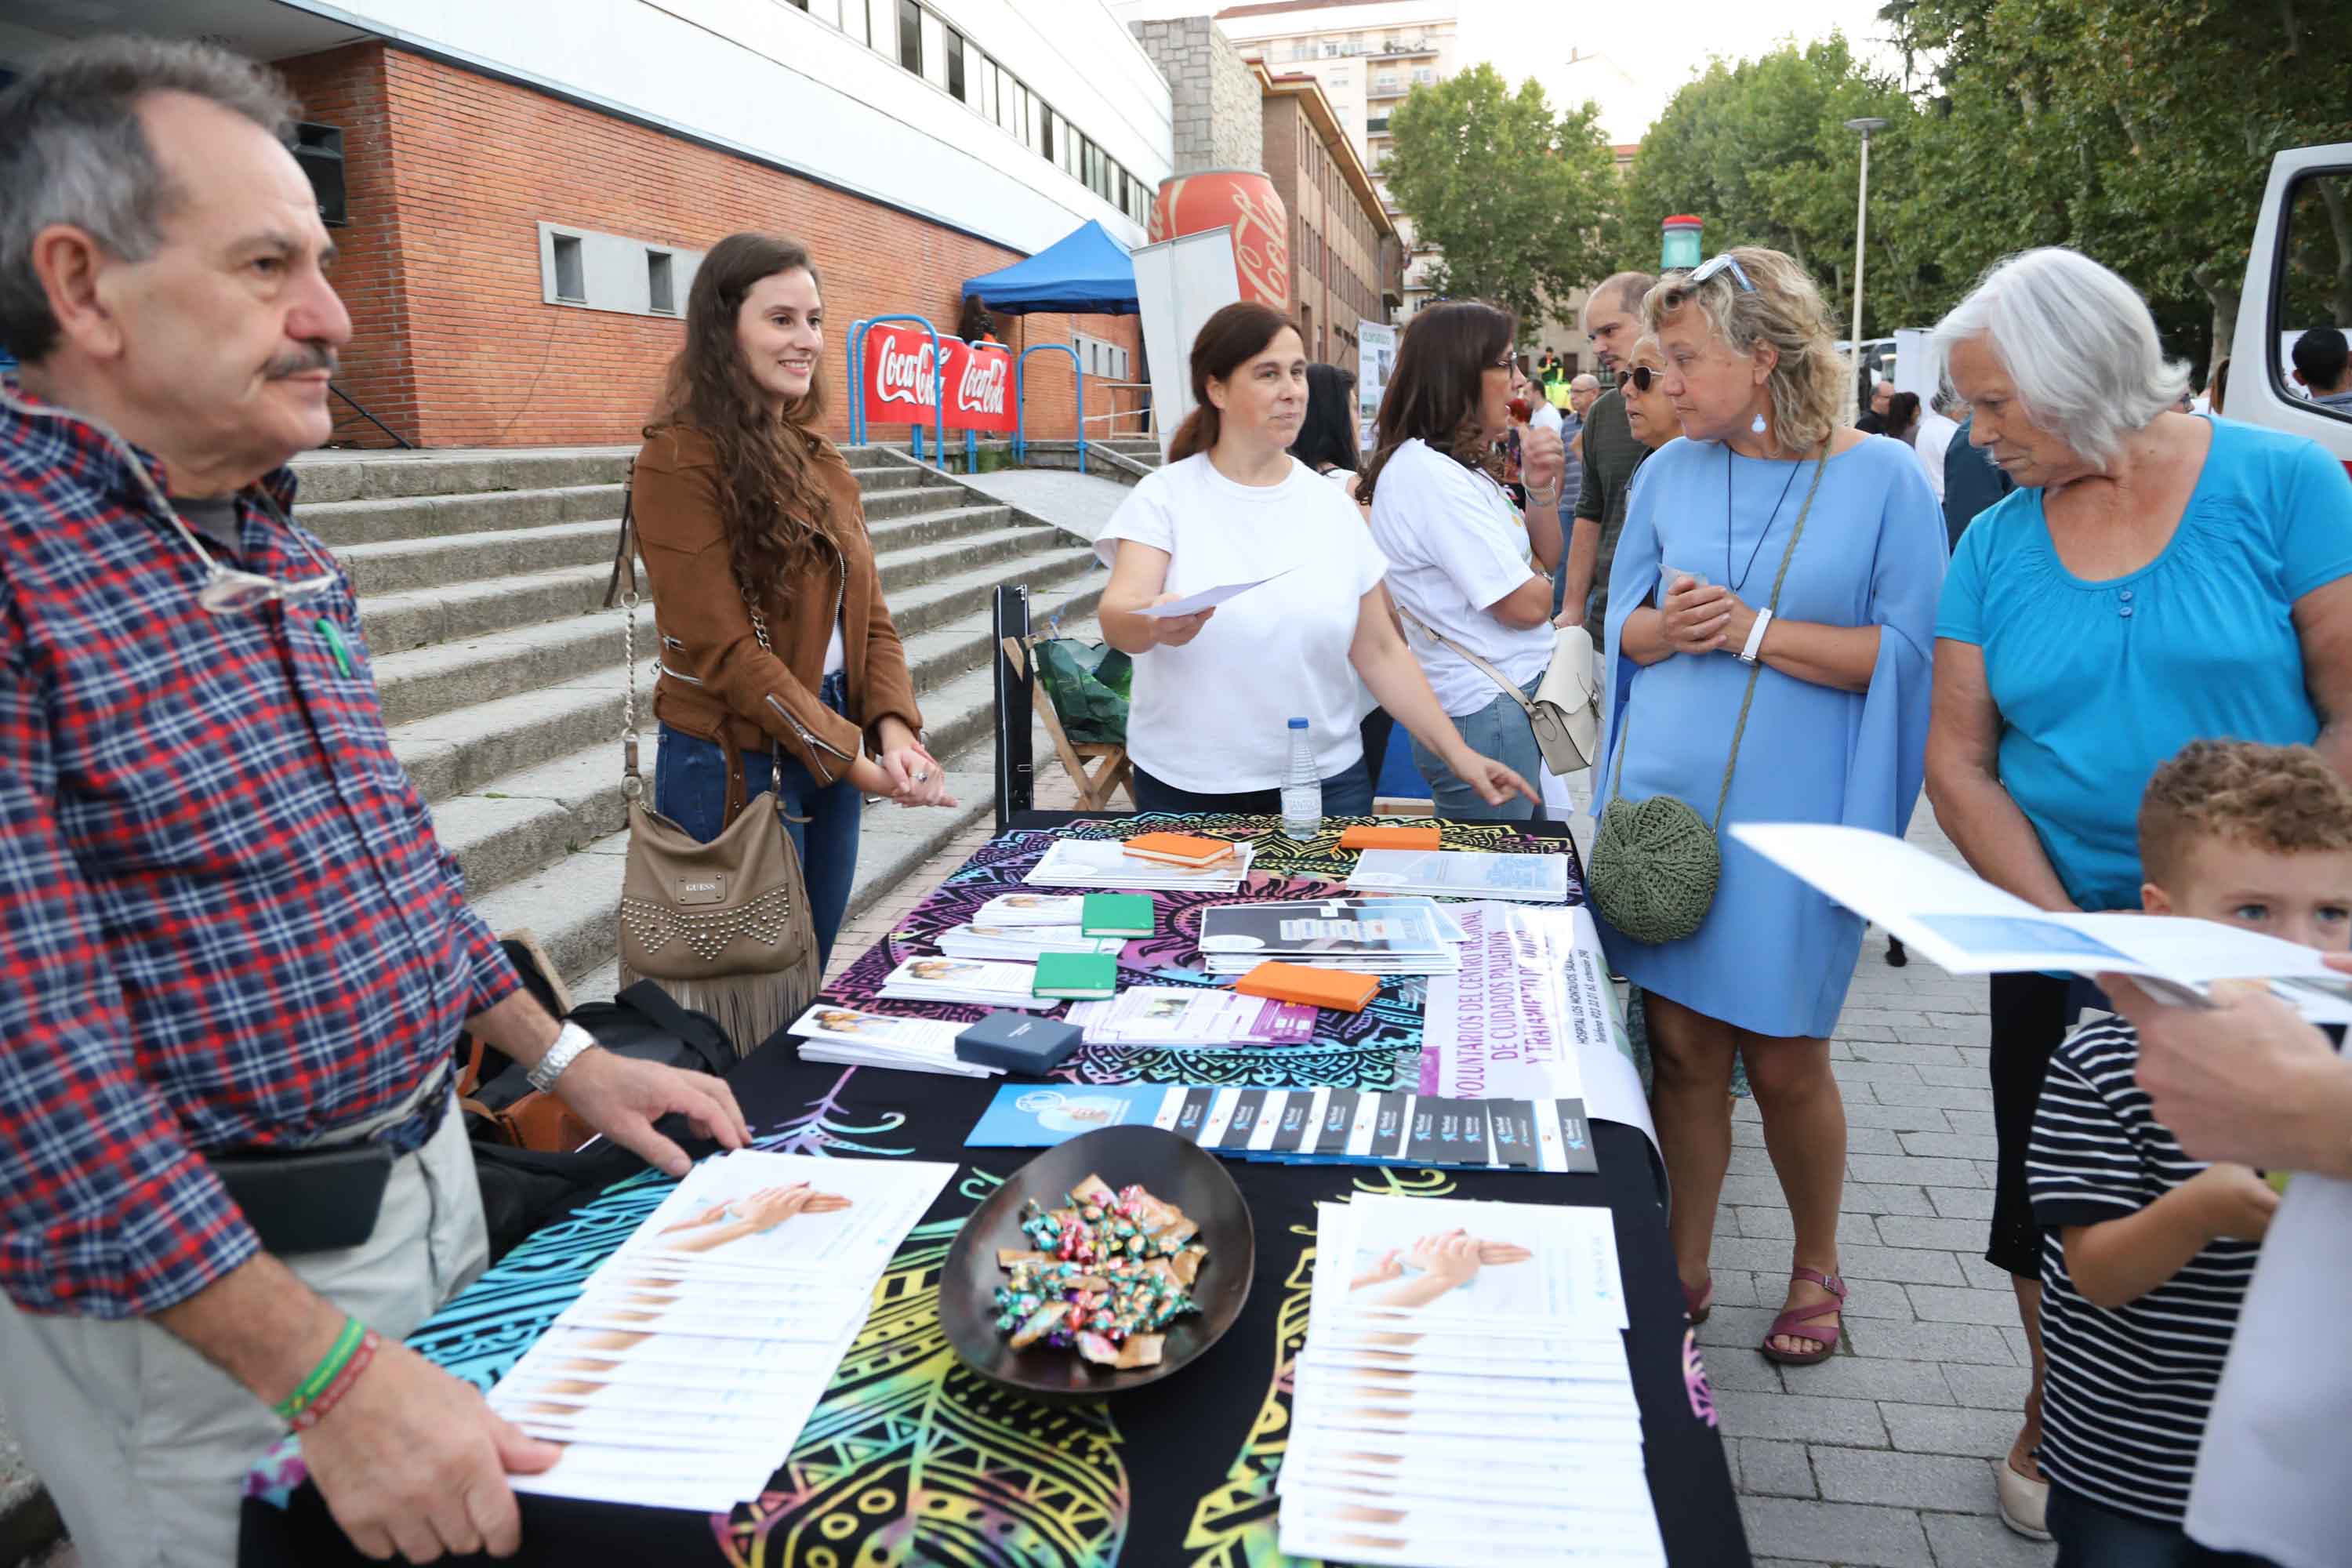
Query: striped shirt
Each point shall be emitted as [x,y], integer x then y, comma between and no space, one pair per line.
[2128,1389]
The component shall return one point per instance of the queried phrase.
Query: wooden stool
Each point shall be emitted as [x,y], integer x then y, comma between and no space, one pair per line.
[1111,773]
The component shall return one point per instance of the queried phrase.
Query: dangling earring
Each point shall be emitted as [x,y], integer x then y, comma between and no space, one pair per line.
[1757,425]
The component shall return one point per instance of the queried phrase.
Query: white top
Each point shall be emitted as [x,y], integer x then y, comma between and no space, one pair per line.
[1932,441]
[1544,416]
[836,658]
[1212,716]
[1456,546]
[2271,1472]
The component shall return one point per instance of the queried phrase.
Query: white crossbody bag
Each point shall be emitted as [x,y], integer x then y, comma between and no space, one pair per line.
[1565,711]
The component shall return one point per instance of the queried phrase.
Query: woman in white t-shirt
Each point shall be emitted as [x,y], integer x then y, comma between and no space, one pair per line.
[1459,552]
[1208,727]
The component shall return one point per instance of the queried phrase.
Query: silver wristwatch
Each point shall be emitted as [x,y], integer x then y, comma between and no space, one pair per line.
[561,1054]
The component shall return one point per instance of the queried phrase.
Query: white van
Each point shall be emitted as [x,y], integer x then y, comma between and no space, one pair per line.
[2290,286]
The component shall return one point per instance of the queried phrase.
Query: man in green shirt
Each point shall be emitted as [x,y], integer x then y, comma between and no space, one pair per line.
[1613,320]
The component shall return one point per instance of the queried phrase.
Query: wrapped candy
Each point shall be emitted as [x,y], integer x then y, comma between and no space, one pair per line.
[1104,1274]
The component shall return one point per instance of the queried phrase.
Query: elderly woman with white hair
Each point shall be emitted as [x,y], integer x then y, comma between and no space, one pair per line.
[2157,578]
[1772,608]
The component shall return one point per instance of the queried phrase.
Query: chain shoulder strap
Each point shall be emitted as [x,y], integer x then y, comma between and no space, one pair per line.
[624,572]
[1748,697]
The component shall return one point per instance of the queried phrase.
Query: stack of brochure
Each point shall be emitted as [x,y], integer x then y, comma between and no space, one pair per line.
[974,981]
[1033,910]
[1194,1017]
[1463,874]
[1365,936]
[855,1039]
[683,1373]
[1104,863]
[1463,1397]
[1021,943]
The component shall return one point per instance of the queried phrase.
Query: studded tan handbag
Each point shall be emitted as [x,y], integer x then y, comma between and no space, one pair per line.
[724,927]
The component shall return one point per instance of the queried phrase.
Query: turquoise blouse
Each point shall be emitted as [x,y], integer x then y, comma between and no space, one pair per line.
[2099,684]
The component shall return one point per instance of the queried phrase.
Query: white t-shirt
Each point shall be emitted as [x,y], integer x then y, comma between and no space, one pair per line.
[836,656]
[1934,439]
[1213,715]
[1544,416]
[1455,544]
[2271,1472]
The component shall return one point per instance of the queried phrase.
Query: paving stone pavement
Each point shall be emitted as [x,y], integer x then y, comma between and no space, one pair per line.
[1883,1455]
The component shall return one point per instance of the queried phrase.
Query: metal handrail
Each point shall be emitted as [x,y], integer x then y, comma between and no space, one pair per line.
[939,379]
[405,442]
[1021,406]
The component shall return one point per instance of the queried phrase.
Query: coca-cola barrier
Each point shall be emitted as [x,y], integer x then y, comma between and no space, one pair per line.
[902,388]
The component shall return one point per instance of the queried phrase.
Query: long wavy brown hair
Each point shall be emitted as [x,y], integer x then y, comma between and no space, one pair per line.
[1438,386]
[773,500]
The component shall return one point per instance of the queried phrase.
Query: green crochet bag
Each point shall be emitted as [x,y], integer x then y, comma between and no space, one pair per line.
[1655,862]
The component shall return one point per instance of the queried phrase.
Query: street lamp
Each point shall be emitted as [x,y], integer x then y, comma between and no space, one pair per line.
[1861,221]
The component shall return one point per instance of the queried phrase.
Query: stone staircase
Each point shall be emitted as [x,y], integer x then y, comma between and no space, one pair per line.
[479,574]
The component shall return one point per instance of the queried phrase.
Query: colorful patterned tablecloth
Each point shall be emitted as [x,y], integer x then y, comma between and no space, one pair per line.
[913,1458]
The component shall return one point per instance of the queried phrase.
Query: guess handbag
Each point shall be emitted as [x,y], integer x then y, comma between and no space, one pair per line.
[724,927]
[1565,711]
[1657,862]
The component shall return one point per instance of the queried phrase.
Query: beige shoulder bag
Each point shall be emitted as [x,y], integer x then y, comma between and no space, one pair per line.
[723,927]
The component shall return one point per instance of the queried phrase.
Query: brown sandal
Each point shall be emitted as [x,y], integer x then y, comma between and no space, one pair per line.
[1793,1322]
[1698,1303]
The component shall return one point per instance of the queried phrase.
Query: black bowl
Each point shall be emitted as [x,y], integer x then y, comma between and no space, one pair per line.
[1167,1167]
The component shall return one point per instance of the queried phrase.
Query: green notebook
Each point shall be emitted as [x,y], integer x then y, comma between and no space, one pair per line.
[1116,914]
[1080,976]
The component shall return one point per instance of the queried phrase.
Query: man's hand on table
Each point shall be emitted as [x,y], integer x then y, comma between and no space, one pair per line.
[622,1097]
[412,1461]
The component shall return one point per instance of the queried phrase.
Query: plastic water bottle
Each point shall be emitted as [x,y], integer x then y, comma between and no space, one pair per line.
[1302,786]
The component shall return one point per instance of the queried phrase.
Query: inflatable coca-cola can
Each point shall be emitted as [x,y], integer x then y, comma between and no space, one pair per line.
[1244,201]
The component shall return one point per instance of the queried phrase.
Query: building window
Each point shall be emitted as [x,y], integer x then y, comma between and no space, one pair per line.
[570,272]
[661,297]
[955,63]
[910,36]
[1045,121]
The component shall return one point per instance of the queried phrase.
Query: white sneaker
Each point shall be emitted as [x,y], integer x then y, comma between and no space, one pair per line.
[2024,1502]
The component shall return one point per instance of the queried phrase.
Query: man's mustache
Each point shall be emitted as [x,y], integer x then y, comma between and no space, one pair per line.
[301,362]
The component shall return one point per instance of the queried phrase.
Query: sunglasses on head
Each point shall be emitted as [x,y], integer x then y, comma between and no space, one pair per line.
[1715,264]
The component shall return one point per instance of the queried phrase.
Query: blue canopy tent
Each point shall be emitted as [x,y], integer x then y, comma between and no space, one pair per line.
[1086,271]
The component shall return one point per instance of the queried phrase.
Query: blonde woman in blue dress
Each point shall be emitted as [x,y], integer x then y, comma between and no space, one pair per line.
[1837,731]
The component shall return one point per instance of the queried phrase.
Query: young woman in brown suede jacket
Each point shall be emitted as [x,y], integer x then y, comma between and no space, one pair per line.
[780,668]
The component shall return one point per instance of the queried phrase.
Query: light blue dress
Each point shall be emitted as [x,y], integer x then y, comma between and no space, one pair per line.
[2099,683]
[1773,956]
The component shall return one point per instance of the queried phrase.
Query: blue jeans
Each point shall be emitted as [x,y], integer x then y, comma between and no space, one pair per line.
[2089,1536]
[690,789]
[1347,793]
[1500,730]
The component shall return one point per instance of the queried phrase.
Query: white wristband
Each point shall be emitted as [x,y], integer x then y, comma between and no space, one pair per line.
[1756,637]
[569,1044]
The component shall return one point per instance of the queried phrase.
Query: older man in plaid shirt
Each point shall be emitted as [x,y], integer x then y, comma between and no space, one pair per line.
[226,927]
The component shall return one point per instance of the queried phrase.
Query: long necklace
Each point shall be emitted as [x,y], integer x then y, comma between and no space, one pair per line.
[1729,516]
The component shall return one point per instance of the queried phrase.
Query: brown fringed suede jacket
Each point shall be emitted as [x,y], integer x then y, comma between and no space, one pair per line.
[717,682]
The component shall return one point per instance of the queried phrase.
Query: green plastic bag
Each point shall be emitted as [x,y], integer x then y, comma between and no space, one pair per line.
[1089,682]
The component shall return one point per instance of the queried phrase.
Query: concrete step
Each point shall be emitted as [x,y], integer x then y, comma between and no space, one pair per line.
[962,515]
[517,822]
[943,600]
[421,682]
[938,656]
[469,749]
[393,518]
[342,476]
[396,623]
[473,558]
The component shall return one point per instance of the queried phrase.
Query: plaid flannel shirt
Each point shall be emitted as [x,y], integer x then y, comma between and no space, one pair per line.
[225,920]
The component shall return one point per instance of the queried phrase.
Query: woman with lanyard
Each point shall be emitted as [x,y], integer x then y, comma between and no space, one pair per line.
[1458,550]
[1207,728]
[1772,610]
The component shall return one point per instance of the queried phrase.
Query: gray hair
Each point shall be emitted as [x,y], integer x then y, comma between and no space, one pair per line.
[2076,338]
[72,152]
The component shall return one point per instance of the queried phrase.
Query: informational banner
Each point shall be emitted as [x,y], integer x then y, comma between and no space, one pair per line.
[1178,284]
[1376,352]
[901,389]
[1532,1015]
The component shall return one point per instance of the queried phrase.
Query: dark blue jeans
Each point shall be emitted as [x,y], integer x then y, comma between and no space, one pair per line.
[690,789]
[2089,1536]
[1347,793]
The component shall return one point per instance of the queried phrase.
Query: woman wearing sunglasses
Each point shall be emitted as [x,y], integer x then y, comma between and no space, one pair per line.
[1649,412]
[1772,610]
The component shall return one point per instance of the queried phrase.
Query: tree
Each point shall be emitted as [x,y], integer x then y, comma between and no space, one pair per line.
[1759,150]
[1516,197]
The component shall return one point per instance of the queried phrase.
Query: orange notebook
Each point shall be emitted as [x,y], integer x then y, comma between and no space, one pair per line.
[1390,838]
[1178,848]
[1333,988]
